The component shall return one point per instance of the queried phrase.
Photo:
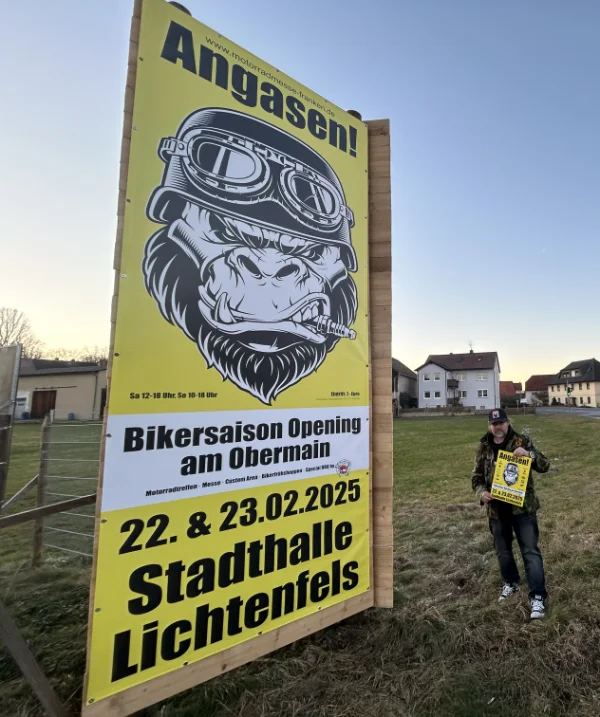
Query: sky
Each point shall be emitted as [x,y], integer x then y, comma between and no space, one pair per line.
[494,111]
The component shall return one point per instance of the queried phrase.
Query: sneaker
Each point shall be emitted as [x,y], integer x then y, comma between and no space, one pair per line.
[538,610]
[508,590]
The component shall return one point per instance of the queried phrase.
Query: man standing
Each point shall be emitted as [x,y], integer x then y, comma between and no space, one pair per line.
[505,518]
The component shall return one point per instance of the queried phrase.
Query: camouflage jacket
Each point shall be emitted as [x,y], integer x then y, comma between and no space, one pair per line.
[483,472]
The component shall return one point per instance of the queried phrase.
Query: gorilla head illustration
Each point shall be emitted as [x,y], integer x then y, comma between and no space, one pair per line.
[253,263]
[511,473]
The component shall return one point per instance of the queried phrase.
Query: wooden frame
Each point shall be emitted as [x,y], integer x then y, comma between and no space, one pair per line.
[381,475]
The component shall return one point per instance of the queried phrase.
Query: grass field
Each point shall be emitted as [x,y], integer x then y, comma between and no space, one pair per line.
[446,649]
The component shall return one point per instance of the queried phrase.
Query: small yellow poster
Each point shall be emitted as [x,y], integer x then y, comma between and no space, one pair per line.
[510,478]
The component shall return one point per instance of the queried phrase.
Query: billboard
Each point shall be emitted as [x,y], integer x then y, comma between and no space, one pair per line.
[235,495]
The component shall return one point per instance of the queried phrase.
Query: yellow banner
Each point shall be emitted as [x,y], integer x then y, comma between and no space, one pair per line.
[510,478]
[235,494]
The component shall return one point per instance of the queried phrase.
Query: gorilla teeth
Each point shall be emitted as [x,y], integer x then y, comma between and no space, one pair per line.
[297,317]
[222,310]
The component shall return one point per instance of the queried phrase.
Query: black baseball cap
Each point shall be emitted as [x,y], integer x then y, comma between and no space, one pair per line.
[497,415]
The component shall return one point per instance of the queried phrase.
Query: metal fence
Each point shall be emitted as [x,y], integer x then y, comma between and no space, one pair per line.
[69,462]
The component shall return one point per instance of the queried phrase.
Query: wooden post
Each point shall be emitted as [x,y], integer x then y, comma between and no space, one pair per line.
[22,655]
[380,308]
[38,529]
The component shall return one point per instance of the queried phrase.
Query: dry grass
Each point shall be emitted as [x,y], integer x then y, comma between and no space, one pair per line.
[446,649]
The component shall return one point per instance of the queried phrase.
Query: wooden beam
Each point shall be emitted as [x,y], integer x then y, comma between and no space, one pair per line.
[32,672]
[36,513]
[380,308]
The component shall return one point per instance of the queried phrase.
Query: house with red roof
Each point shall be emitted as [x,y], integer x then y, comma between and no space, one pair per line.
[510,389]
[536,389]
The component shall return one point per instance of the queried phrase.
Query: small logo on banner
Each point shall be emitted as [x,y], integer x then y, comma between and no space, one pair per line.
[343,467]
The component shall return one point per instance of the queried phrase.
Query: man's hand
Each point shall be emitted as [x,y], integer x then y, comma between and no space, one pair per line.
[486,496]
[520,451]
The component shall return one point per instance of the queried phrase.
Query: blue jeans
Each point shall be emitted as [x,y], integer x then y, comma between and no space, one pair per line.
[526,529]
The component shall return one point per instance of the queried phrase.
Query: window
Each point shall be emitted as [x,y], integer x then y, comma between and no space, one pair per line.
[427,394]
[462,394]
[437,394]
[426,377]
[580,400]
[482,377]
[580,386]
[460,376]
[588,386]
[589,400]
[552,387]
[482,393]
[436,376]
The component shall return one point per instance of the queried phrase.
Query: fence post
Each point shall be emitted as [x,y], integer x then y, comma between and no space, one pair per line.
[38,529]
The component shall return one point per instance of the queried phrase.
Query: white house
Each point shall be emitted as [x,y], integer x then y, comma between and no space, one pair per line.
[471,379]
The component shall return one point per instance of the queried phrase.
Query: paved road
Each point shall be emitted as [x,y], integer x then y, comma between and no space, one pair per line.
[591,412]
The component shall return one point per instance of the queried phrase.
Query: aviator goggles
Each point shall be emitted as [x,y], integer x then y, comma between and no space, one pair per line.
[239,170]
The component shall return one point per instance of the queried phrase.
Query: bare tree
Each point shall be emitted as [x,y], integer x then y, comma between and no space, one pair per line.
[96,354]
[61,354]
[15,328]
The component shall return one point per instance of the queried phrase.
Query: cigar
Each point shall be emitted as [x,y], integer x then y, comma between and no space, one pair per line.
[326,326]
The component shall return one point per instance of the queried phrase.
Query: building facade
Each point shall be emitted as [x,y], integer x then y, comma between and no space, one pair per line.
[471,380]
[72,390]
[577,384]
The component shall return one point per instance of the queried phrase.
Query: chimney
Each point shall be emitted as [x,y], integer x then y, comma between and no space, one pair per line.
[471,351]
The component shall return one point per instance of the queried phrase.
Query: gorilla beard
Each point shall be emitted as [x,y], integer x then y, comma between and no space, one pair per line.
[172,277]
